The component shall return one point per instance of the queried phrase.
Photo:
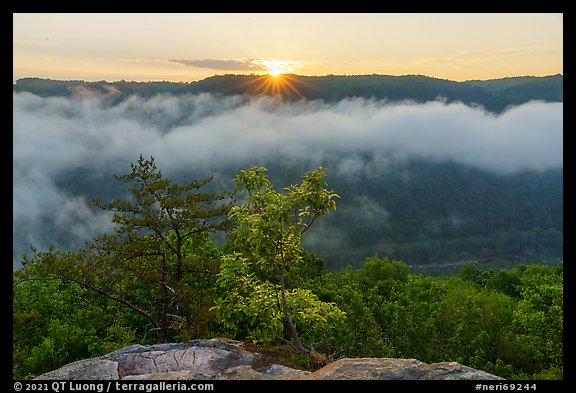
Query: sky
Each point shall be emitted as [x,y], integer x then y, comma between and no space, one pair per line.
[187,47]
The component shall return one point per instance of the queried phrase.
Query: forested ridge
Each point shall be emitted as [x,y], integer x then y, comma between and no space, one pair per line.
[160,277]
[494,95]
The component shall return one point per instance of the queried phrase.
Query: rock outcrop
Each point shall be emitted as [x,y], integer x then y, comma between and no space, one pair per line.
[227,359]
[396,369]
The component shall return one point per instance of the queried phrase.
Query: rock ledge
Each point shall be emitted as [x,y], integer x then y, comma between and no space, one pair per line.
[225,359]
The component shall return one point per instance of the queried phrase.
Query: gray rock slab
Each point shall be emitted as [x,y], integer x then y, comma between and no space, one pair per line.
[454,370]
[169,376]
[226,359]
[395,369]
[277,370]
[89,369]
[207,357]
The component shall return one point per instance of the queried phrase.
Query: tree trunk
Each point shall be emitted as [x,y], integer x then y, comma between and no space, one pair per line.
[288,321]
[179,258]
[164,313]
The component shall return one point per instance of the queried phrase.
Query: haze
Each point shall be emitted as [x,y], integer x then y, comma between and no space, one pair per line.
[196,136]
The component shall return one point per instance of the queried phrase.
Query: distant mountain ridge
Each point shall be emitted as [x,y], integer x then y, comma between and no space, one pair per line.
[494,95]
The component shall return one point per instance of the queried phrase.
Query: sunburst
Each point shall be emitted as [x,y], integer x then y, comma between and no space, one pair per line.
[281,85]
[279,81]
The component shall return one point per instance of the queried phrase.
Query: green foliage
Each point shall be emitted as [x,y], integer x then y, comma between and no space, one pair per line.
[360,336]
[249,307]
[316,320]
[269,227]
[301,361]
[507,322]
[538,318]
[57,322]
[270,224]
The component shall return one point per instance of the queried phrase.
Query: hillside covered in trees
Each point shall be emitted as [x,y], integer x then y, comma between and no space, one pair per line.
[494,95]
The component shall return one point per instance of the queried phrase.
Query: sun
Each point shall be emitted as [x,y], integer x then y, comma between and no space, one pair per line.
[277,67]
[277,79]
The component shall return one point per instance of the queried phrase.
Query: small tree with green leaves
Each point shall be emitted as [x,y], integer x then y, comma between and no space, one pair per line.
[270,224]
[248,307]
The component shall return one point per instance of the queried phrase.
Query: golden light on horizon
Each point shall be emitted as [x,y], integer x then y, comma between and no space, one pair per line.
[277,67]
[282,86]
[279,84]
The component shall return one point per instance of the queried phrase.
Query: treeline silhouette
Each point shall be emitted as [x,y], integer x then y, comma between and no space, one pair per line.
[494,95]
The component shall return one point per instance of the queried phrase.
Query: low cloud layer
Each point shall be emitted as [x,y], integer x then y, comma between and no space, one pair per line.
[54,136]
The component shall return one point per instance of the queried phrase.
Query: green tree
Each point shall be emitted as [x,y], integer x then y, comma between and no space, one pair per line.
[539,320]
[361,335]
[56,322]
[251,310]
[147,264]
[270,224]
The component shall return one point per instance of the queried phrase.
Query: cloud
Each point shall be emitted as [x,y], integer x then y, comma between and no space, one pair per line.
[65,150]
[227,65]
[524,137]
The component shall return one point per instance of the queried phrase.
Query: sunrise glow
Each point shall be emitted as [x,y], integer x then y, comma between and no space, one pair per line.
[192,47]
[281,86]
[276,67]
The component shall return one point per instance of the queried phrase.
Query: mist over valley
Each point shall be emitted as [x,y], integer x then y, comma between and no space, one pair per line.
[429,175]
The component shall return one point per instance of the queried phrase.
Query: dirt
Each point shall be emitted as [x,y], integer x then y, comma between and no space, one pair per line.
[285,355]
